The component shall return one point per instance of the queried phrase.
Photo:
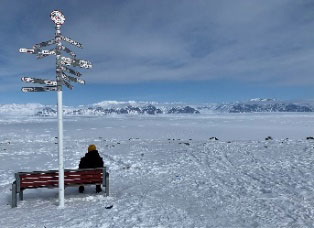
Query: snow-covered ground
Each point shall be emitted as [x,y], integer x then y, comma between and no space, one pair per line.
[165,172]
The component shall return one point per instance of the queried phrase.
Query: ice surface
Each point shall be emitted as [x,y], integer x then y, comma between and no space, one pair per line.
[165,172]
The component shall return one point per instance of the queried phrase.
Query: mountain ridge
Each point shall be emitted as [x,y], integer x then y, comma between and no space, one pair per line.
[156,108]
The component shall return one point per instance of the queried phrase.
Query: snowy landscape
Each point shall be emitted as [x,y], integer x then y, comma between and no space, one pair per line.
[166,170]
[202,113]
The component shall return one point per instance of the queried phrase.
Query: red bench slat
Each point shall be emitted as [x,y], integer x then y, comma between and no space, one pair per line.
[46,179]
[68,173]
[82,177]
[55,183]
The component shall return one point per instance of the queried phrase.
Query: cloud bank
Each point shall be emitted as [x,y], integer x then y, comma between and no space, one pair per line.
[267,42]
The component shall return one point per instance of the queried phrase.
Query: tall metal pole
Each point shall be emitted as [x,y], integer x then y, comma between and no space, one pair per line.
[60,116]
[61,79]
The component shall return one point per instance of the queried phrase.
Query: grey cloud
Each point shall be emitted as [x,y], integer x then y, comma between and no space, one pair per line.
[268,41]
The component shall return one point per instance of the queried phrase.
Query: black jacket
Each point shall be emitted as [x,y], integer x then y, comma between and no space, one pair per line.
[91,159]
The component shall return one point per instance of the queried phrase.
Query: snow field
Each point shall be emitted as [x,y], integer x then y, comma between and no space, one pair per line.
[160,181]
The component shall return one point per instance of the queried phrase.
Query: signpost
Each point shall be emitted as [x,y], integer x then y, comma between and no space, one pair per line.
[62,64]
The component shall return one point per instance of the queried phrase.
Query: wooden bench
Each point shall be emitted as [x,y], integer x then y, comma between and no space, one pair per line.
[49,179]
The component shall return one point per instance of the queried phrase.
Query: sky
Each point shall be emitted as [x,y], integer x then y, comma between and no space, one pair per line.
[199,51]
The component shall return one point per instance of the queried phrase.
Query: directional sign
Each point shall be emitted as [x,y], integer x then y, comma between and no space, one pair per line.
[45,53]
[44,44]
[85,64]
[61,79]
[67,84]
[37,51]
[73,42]
[29,50]
[73,79]
[76,73]
[38,80]
[75,62]
[67,50]
[39,89]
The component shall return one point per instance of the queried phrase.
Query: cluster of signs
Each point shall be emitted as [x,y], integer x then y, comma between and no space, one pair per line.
[62,63]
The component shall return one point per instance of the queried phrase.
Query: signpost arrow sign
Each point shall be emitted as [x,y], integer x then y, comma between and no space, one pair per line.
[73,79]
[47,52]
[64,68]
[38,80]
[73,42]
[44,44]
[39,89]
[75,62]
[67,84]
[29,50]
[44,53]
[39,52]
[67,50]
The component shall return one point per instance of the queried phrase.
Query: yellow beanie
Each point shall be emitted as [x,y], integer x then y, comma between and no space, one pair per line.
[91,147]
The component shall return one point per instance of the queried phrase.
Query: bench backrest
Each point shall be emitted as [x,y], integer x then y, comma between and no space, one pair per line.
[38,179]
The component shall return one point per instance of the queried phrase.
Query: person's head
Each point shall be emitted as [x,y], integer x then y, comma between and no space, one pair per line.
[91,147]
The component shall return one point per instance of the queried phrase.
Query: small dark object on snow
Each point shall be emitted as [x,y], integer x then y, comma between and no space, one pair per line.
[268,138]
[309,137]
[187,144]
[98,189]
[109,207]
[229,142]
[118,143]
[213,138]
[190,139]
[81,189]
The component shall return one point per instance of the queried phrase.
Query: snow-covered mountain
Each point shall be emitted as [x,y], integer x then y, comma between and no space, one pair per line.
[20,109]
[98,109]
[148,109]
[266,105]
[155,108]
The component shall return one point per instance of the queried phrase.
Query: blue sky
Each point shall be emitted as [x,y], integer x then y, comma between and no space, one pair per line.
[189,51]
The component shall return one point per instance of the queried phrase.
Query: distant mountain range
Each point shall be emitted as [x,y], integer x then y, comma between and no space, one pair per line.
[154,108]
[129,109]
[265,105]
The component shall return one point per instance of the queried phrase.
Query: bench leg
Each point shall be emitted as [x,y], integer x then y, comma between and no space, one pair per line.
[14,197]
[107,184]
[21,195]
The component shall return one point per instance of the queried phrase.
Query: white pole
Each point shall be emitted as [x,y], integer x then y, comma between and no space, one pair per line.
[60,147]
[60,119]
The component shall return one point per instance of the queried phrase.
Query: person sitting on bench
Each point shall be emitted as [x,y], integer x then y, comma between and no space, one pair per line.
[92,159]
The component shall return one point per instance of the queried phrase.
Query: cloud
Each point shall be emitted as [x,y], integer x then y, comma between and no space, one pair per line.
[268,42]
